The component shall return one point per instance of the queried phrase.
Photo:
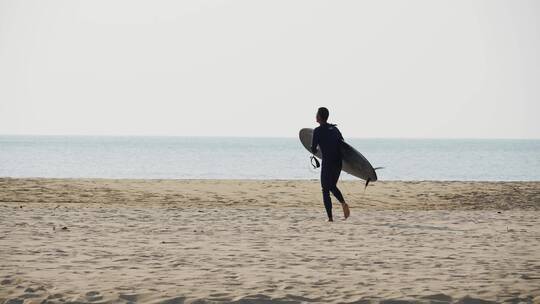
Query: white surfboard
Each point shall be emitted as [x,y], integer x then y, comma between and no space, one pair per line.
[353,162]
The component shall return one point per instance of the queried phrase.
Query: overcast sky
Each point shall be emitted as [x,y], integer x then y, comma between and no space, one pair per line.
[261,68]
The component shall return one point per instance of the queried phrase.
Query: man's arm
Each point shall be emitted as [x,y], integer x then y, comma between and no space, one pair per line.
[339,134]
[314,141]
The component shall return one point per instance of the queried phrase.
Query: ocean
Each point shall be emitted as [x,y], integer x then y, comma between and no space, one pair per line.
[142,157]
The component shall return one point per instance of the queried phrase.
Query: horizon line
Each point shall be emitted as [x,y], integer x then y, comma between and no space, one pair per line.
[264,136]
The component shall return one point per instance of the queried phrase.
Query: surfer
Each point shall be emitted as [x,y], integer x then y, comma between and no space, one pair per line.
[328,137]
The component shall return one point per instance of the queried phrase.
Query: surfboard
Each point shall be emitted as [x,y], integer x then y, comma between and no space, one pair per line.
[353,162]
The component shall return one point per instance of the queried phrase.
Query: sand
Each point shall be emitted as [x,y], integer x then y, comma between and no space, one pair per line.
[216,241]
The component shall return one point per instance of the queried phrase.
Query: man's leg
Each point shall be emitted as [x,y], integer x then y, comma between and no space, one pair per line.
[327,204]
[325,183]
[335,191]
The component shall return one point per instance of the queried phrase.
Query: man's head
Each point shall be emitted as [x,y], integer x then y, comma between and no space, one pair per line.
[322,115]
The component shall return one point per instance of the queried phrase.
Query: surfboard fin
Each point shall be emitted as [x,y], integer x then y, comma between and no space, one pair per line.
[377,168]
[367,183]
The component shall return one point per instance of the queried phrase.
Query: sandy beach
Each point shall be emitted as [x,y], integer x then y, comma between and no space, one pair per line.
[245,241]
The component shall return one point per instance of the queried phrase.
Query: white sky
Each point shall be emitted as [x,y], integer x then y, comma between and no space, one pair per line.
[460,68]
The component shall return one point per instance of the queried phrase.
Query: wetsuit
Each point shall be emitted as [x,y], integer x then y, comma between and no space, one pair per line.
[328,138]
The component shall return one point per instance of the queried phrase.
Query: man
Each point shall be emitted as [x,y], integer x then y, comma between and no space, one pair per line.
[328,138]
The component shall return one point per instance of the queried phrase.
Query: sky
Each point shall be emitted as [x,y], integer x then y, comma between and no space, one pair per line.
[412,69]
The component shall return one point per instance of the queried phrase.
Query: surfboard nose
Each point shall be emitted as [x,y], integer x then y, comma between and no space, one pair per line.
[305,131]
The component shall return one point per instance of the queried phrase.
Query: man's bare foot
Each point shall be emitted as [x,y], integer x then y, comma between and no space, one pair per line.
[330,220]
[346,211]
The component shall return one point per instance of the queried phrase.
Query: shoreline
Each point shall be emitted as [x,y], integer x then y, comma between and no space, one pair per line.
[352,179]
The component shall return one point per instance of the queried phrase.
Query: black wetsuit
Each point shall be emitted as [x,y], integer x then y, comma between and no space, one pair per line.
[328,138]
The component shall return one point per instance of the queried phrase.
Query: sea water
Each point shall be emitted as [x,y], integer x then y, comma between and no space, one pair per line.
[143,157]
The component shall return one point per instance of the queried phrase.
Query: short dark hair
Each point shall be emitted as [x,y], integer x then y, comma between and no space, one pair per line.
[323,113]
